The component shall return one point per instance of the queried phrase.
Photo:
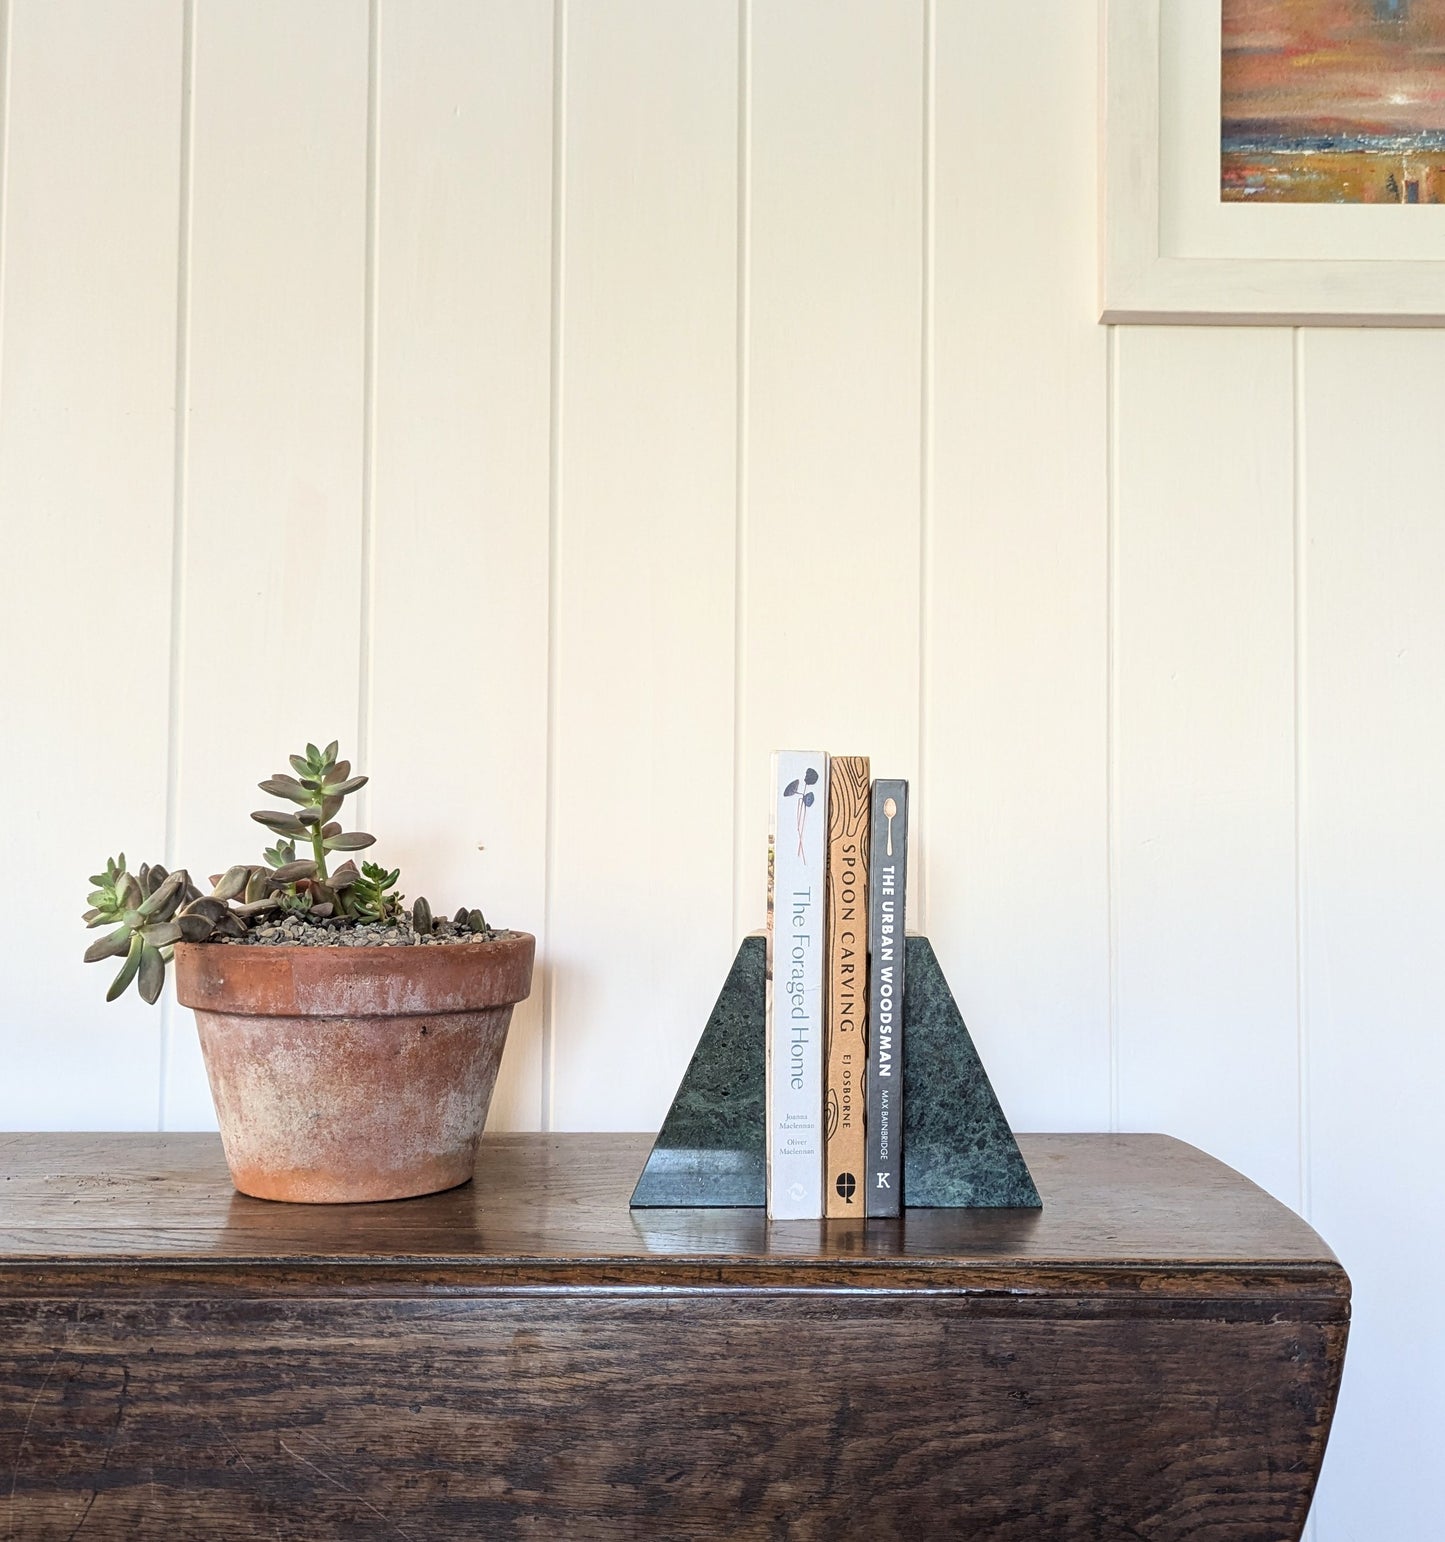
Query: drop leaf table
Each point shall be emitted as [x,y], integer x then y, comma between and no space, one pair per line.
[1154,1354]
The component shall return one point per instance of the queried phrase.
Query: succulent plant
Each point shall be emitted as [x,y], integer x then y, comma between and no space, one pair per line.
[151,910]
[369,897]
[142,907]
[320,786]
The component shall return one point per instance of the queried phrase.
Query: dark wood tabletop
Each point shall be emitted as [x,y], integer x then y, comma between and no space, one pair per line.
[1155,1353]
[1118,1210]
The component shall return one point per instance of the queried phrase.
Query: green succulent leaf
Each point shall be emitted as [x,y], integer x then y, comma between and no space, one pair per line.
[152,973]
[309,817]
[350,840]
[128,892]
[346,788]
[331,806]
[304,868]
[313,756]
[258,885]
[114,867]
[329,754]
[232,883]
[339,772]
[192,928]
[476,921]
[168,893]
[163,935]
[280,786]
[421,918]
[300,765]
[113,945]
[127,969]
[282,824]
[213,910]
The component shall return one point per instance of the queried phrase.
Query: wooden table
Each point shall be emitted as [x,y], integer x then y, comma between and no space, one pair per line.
[1154,1355]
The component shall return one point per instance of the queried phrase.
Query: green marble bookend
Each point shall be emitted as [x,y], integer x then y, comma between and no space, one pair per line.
[710,1149]
[958,1149]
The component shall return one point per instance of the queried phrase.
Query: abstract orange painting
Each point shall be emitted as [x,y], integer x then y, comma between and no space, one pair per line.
[1333,101]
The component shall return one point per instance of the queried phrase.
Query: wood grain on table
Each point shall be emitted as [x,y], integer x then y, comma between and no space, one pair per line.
[1155,1354]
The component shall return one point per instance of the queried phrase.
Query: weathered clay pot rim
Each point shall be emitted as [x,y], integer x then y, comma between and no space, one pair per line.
[322,981]
[354,950]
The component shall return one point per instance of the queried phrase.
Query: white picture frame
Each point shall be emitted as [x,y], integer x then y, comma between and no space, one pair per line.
[1171,251]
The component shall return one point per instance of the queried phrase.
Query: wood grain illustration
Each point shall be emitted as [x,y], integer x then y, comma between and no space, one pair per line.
[847,1037]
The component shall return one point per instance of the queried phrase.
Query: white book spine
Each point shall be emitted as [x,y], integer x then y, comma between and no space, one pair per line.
[797,995]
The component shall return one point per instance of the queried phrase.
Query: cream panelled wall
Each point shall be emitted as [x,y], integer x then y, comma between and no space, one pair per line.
[566,404]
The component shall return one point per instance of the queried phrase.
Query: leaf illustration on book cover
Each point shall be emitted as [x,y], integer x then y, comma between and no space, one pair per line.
[794,789]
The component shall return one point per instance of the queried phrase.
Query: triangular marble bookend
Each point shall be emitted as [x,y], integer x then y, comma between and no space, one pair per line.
[958,1149]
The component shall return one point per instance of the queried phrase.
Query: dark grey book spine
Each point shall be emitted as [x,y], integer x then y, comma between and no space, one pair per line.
[887,884]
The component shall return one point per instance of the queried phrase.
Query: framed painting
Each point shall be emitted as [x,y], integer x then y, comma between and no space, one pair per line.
[1273,161]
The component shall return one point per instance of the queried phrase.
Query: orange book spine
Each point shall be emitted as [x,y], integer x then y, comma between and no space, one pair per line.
[847,1030]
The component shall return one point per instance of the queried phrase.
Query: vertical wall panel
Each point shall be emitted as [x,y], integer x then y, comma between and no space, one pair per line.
[833,388]
[1204,745]
[1374,846]
[824,307]
[457,726]
[91,175]
[642,832]
[271,587]
[1015,712]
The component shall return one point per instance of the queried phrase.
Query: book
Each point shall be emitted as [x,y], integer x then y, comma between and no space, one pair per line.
[846,1032]
[888,881]
[797,945]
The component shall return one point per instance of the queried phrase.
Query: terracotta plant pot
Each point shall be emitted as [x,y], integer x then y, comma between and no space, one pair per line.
[345,1074]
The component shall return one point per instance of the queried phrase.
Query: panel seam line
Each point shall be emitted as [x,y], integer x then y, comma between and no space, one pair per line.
[926,446]
[554,536]
[1299,517]
[740,455]
[180,489]
[1111,712]
[365,673]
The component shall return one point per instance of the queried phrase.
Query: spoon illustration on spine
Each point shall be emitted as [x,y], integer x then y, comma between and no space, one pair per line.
[890,808]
